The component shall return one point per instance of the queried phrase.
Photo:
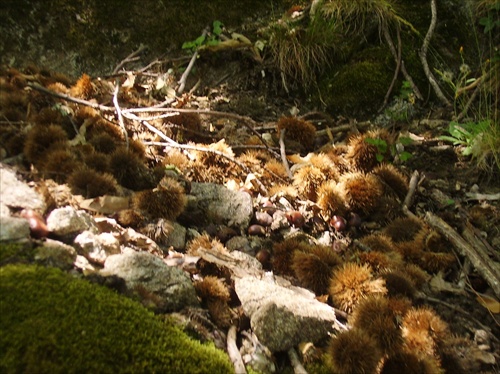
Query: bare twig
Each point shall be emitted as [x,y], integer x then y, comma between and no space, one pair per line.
[407,76]
[130,58]
[119,112]
[488,270]
[398,64]
[411,189]
[182,81]
[423,56]
[295,361]
[283,154]
[102,108]
[233,351]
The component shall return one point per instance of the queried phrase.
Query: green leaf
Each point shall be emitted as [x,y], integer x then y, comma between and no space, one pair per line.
[452,139]
[405,156]
[217,27]
[379,157]
[404,140]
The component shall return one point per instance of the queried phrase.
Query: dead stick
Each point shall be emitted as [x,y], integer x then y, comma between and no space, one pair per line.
[411,189]
[294,360]
[283,154]
[119,112]
[233,352]
[488,272]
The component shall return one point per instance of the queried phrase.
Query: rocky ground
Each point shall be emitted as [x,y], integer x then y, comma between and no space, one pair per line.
[190,207]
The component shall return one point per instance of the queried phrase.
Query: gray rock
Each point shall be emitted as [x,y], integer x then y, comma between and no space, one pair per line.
[13,228]
[210,203]
[239,243]
[69,221]
[56,254]
[169,288]
[283,317]
[177,237]
[17,194]
[97,247]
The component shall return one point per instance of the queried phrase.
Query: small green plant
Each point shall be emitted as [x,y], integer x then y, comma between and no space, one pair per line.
[396,151]
[467,135]
[206,39]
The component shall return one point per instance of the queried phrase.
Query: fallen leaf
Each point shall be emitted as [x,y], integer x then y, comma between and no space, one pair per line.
[489,303]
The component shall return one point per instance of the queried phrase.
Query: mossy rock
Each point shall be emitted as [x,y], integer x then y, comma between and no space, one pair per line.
[52,322]
[359,87]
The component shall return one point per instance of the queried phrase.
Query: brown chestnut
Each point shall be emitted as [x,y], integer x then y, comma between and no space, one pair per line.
[256,230]
[338,223]
[38,228]
[295,218]
[263,218]
[264,257]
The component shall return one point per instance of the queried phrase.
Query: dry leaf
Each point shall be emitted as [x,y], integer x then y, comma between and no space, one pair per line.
[489,303]
[106,204]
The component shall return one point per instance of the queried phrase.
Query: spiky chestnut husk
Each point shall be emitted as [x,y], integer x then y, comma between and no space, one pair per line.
[432,241]
[374,316]
[330,200]
[378,242]
[274,170]
[130,171]
[380,261]
[103,143]
[42,138]
[90,183]
[361,191]
[167,201]
[388,208]
[212,159]
[58,87]
[423,330]
[190,122]
[399,284]
[324,163]
[130,218]
[351,283]
[83,88]
[58,164]
[211,287]
[298,130]
[393,179]
[353,352]
[311,272]
[326,254]
[417,275]
[97,161]
[403,229]
[307,180]
[98,125]
[410,250]
[283,253]
[283,190]
[434,262]
[410,363]
[361,154]
[204,241]
[220,313]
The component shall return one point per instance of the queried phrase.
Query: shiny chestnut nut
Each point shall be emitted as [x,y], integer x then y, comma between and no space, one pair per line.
[38,228]
[264,257]
[354,220]
[295,218]
[263,218]
[256,230]
[269,207]
[338,223]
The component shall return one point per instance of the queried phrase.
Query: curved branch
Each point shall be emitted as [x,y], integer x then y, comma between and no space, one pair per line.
[423,56]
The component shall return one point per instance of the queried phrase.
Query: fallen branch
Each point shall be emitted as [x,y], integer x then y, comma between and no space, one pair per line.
[295,361]
[398,65]
[130,58]
[411,189]
[119,112]
[481,262]
[283,154]
[182,81]
[423,56]
[233,351]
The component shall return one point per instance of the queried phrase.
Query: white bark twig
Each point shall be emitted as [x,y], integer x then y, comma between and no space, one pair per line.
[130,58]
[283,154]
[119,112]
[234,353]
[295,361]
[182,81]
[423,56]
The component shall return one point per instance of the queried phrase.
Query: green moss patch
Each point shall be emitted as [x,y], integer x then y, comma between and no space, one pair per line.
[53,323]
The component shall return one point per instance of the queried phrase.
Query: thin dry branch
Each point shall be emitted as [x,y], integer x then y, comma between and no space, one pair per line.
[423,56]
[488,270]
[130,58]
[283,154]
[295,361]
[398,65]
[411,189]
[233,351]
[119,112]
[182,81]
